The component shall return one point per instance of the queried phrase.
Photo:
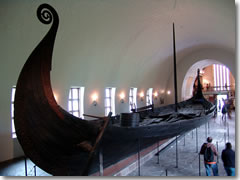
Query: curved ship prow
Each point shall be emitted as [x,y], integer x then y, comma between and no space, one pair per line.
[52,138]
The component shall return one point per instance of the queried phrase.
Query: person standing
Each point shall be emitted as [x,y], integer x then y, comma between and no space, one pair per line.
[224,111]
[219,105]
[210,157]
[228,158]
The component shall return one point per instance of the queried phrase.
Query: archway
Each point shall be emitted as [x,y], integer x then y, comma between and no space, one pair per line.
[190,76]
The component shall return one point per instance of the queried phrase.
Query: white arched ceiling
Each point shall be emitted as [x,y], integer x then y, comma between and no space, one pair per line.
[134,37]
[109,43]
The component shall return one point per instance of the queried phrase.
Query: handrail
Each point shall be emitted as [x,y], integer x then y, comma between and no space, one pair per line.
[98,117]
[143,108]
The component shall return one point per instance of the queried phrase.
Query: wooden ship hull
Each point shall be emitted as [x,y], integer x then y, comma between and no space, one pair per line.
[62,144]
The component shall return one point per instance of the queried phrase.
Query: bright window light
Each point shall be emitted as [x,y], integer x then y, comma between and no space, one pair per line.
[76,101]
[132,99]
[228,79]
[224,76]
[218,84]
[221,77]
[149,96]
[12,112]
[110,101]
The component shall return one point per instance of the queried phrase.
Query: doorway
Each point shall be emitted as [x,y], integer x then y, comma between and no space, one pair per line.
[220,102]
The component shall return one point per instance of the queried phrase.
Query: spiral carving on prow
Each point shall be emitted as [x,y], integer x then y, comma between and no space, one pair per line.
[46,14]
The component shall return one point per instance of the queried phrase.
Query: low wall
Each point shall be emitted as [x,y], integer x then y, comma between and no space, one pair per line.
[128,165]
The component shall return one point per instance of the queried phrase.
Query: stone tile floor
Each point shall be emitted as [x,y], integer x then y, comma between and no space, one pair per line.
[188,148]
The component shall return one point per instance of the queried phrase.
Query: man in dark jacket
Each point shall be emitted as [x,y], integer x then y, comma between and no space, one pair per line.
[212,164]
[228,158]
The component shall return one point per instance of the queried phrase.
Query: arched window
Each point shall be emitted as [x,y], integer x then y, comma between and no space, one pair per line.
[110,100]
[12,111]
[221,77]
[149,96]
[132,99]
[76,101]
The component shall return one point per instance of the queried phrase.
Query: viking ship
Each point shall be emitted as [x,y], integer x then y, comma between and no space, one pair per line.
[62,144]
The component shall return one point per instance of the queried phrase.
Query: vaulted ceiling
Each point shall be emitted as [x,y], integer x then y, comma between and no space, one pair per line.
[142,29]
[139,32]
[120,42]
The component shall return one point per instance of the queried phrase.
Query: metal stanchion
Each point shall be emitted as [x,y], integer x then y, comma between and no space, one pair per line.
[199,164]
[100,162]
[217,151]
[196,140]
[206,130]
[228,131]
[166,173]
[176,152]
[184,140]
[25,159]
[225,139]
[139,173]
[158,160]
[35,170]
[208,127]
